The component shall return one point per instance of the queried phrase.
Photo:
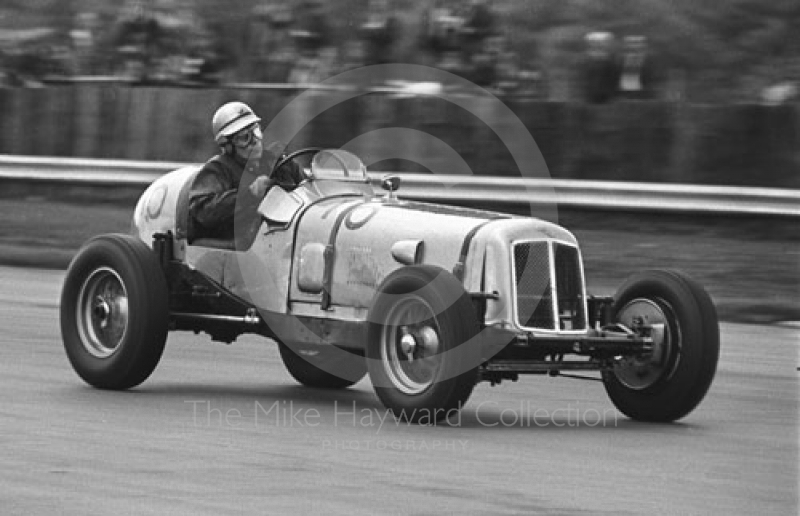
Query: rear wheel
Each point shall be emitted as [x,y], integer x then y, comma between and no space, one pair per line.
[667,383]
[114,312]
[422,358]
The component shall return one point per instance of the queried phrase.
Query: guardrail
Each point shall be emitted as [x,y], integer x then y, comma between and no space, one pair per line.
[610,195]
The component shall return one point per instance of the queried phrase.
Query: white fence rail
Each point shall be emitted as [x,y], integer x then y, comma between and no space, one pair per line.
[502,191]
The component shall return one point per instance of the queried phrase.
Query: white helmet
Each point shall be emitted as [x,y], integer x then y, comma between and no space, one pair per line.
[231,118]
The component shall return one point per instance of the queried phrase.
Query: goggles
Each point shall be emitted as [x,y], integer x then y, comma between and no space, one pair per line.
[247,137]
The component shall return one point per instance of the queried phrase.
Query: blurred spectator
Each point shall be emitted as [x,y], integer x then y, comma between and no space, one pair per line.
[167,42]
[464,38]
[638,72]
[314,53]
[479,24]
[26,69]
[379,33]
[532,84]
[314,69]
[83,38]
[484,68]
[28,56]
[510,75]
[492,63]
[353,54]
[441,28]
[599,71]
[311,31]
[137,40]
[507,70]
[451,61]
[270,53]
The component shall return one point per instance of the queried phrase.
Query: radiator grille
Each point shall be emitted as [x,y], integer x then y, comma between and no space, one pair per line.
[570,288]
[534,290]
[536,286]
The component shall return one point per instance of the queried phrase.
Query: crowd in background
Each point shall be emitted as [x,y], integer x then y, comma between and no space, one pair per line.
[168,42]
[306,41]
[161,41]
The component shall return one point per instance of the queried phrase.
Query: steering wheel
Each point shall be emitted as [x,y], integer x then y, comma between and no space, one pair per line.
[300,152]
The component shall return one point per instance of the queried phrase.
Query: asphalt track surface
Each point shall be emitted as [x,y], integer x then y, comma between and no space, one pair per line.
[224,430]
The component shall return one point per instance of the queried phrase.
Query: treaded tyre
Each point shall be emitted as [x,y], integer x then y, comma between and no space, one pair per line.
[670,382]
[114,312]
[422,358]
[336,369]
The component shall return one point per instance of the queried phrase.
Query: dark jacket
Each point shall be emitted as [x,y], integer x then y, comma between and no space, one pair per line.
[213,196]
[220,198]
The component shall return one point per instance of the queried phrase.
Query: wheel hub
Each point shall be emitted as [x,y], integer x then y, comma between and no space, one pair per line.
[642,371]
[102,312]
[423,341]
[408,344]
[657,334]
[429,340]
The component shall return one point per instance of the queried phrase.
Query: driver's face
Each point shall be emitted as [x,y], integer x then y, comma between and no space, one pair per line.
[248,143]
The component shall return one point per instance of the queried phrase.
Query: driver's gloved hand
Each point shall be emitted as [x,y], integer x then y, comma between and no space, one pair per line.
[289,174]
[260,185]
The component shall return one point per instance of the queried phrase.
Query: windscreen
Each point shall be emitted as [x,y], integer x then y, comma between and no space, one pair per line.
[339,165]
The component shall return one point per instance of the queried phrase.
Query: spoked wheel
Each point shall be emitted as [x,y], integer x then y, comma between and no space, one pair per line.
[114,312]
[669,381]
[422,357]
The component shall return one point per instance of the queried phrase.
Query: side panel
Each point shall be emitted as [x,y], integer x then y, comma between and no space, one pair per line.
[262,274]
[362,256]
[314,233]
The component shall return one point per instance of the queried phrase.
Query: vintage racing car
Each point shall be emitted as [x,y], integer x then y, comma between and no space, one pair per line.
[427,299]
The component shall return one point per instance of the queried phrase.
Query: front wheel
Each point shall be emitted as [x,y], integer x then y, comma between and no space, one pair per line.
[114,312]
[421,349]
[669,381]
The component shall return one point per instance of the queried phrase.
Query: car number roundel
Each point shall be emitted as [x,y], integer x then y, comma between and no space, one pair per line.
[359,216]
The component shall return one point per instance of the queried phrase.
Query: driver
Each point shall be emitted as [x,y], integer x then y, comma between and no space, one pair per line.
[213,205]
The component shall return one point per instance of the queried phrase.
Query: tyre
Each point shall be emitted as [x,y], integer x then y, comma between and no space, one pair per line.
[422,358]
[669,382]
[114,312]
[323,368]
